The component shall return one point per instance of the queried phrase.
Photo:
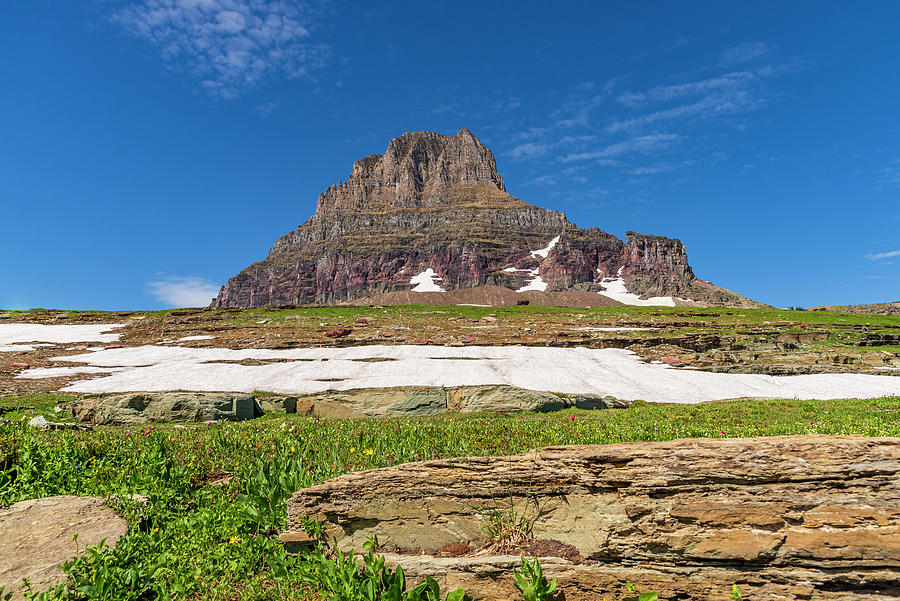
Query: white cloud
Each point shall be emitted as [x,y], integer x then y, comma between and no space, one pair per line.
[183,291]
[891,174]
[728,81]
[730,103]
[885,255]
[529,150]
[744,53]
[641,144]
[265,109]
[230,46]
[544,180]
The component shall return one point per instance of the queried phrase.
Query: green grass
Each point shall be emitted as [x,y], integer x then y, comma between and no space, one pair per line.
[200,541]
[22,407]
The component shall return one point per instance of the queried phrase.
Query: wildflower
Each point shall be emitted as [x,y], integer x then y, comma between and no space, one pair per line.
[156,530]
[293,450]
[234,540]
[369,452]
[352,449]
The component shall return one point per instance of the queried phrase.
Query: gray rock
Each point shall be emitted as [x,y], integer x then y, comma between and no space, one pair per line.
[590,401]
[277,404]
[401,401]
[136,408]
[502,399]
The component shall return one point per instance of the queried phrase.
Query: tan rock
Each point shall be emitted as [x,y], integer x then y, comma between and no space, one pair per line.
[36,538]
[787,517]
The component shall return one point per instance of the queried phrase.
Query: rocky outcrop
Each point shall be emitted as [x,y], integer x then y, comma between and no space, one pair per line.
[424,401]
[792,517]
[437,202]
[155,407]
[36,538]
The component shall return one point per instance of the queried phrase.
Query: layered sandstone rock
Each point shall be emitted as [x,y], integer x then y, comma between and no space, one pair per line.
[437,202]
[792,517]
[36,538]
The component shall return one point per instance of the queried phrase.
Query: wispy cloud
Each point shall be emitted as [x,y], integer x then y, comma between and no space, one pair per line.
[744,53]
[265,109]
[885,255]
[229,46]
[529,150]
[632,128]
[183,291]
[586,98]
[544,180]
[891,174]
[640,144]
[728,94]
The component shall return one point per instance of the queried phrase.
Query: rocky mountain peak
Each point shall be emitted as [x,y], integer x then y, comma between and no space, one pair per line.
[432,214]
[418,169]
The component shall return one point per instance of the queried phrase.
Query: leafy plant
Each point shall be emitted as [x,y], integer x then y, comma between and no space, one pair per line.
[531,582]
[636,596]
[735,593]
[341,578]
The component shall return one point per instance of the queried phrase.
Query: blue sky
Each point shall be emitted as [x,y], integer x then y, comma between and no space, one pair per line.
[149,150]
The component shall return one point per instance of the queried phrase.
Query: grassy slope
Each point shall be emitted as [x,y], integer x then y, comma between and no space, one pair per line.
[207,542]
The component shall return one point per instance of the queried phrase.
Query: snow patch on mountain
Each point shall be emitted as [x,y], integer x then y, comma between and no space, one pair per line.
[546,250]
[615,289]
[426,281]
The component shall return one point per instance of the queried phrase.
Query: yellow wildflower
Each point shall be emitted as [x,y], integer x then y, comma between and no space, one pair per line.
[369,452]
[234,540]
[293,450]
[352,449]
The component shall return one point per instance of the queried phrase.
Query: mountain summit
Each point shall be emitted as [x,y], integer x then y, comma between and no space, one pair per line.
[432,215]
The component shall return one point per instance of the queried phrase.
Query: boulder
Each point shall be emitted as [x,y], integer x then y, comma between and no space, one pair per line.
[401,401]
[501,399]
[277,403]
[135,408]
[813,517]
[36,538]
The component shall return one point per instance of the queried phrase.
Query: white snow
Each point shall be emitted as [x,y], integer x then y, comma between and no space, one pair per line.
[536,283]
[615,372]
[546,250]
[426,281]
[12,334]
[186,338]
[615,289]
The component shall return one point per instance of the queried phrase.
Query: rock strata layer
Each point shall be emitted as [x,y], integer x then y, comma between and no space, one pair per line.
[794,517]
[435,202]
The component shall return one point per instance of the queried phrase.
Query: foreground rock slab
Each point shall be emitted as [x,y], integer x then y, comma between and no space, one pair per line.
[792,517]
[36,538]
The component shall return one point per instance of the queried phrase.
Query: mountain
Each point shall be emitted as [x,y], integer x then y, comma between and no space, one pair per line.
[432,214]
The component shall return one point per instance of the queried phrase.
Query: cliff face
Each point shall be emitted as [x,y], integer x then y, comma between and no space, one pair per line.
[437,202]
